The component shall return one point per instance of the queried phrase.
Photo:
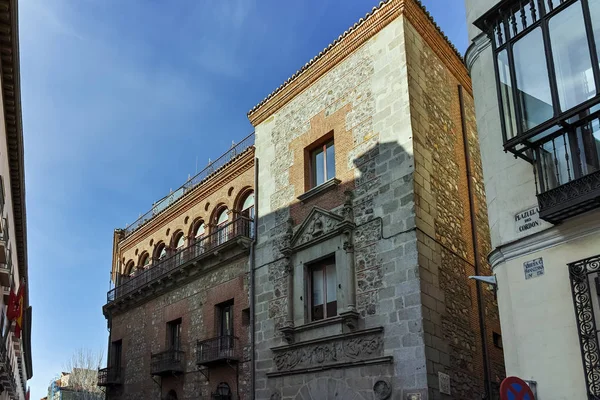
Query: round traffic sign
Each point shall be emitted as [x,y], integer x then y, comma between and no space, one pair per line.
[513,388]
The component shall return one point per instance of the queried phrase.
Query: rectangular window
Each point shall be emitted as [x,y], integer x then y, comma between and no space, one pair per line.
[322,290]
[225,319]
[322,164]
[115,356]
[174,335]
[533,86]
[571,54]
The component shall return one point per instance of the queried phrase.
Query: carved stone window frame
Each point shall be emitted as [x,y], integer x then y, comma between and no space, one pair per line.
[321,234]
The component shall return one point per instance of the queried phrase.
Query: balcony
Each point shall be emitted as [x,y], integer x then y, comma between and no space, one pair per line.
[567,171]
[192,183]
[170,362]
[240,229]
[110,376]
[222,349]
[5,274]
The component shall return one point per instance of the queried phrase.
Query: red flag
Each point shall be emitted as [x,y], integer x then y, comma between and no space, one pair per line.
[12,310]
[27,395]
[19,309]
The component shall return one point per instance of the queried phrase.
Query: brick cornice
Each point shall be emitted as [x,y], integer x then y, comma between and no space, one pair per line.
[351,40]
[220,179]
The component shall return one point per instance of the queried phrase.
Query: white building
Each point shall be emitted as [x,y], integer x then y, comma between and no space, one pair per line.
[536,81]
[15,352]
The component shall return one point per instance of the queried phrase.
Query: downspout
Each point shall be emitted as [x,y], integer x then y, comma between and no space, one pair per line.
[252,266]
[476,255]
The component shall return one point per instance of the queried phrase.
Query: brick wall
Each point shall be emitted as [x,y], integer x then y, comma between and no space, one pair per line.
[446,255]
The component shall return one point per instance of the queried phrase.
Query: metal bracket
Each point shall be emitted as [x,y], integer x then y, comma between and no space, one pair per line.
[205,372]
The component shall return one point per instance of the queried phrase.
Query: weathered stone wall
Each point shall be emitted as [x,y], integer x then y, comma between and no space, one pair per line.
[367,95]
[445,245]
[142,330]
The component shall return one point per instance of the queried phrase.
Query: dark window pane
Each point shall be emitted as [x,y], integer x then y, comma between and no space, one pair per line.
[508,102]
[331,309]
[588,143]
[533,86]
[330,161]
[556,169]
[572,62]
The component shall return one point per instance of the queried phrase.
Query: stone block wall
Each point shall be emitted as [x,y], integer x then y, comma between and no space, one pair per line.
[451,322]
[364,100]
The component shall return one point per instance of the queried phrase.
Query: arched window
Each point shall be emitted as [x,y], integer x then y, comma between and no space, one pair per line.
[223,392]
[160,251]
[222,229]
[248,212]
[179,241]
[248,206]
[144,260]
[129,269]
[200,231]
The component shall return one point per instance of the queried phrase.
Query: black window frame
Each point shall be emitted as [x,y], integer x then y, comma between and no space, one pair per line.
[500,24]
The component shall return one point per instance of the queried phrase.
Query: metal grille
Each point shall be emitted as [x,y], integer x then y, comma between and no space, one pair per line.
[219,348]
[167,361]
[240,227]
[579,273]
[196,180]
[109,376]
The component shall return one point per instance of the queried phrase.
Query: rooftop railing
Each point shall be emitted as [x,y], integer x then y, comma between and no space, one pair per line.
[196,180]
[240,227]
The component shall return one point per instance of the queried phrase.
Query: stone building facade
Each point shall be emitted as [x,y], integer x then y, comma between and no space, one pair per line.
[371,217]
[178,315]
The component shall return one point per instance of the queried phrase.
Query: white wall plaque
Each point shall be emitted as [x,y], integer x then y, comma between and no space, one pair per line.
[528,219]
[533,268]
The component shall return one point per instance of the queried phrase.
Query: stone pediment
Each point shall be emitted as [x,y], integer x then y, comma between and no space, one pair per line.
[317,225]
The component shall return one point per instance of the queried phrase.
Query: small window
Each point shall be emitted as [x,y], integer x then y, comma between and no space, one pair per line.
[225,322]
[246,317]
[322,294]
[497,340]
[116,352]
[174,334]
[322,164]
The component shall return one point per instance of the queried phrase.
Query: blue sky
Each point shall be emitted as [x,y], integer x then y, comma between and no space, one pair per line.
[120,98]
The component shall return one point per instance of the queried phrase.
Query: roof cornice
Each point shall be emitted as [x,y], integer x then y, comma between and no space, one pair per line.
[11,96]
[352,39]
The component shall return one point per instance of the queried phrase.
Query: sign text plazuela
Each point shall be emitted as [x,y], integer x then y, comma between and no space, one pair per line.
[528,219]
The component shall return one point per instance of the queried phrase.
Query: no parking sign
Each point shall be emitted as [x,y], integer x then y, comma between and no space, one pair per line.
[513,388]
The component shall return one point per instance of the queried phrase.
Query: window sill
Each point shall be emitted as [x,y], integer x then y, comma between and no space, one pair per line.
[341,324]
[317,190]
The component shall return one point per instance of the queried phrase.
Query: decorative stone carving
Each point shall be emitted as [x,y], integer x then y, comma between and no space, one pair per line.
[348,210]
[382,390]
[275,396]
[317,224]
[341,349]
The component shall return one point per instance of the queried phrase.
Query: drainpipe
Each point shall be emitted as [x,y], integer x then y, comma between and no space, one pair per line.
[252,289]
[476,255]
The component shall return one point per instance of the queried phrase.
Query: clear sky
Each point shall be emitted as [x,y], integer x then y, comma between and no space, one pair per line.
[120,98]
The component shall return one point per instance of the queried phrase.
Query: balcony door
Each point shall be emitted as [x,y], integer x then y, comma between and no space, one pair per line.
[222,219]
[116,352]
[174,335]
[225,327]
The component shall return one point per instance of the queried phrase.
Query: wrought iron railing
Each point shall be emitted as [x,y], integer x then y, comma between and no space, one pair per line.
[567,171]
[215,349]
[109,376]
[240,227]
[196,180]
[169,361]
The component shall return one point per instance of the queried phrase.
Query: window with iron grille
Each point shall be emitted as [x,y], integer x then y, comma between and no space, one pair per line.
[546,59]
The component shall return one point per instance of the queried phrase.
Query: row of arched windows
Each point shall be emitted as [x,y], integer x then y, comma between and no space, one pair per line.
[199,229]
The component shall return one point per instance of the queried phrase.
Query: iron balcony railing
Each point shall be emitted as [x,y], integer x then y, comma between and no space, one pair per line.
[196,180]
[220,348]
[109,376]
[240,227]
[567,171]
[167,362]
